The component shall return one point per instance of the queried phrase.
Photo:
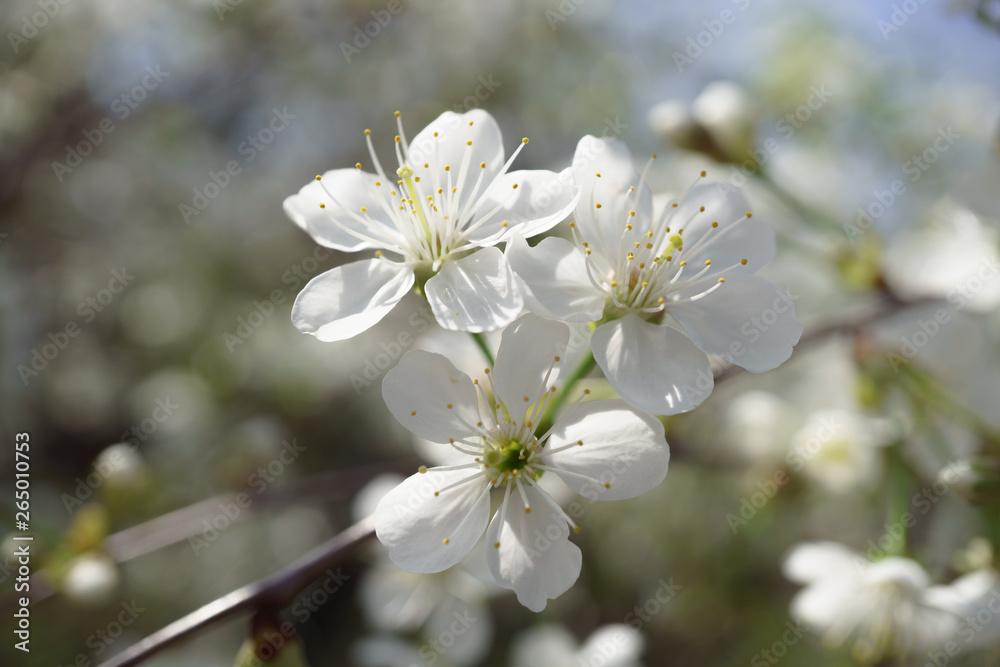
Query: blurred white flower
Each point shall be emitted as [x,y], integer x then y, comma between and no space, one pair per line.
[603,450]
[724,109]
[639,274]
[91,580]
[453,201]
[841,449]
[760,424]
[956,258]
[883,609]
[553,646]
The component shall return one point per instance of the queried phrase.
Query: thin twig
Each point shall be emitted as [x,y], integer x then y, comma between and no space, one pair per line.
[275,591]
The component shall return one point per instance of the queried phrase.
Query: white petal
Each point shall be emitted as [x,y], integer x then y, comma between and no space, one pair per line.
[475,293]
[655,368]
[353,190]
[813,561]
[442,397]
[622,448]
[385,651]
[735,239]
[541,200]
[397,600]
[535,558]
[528,348]
[554,279]
[544,646]
[469,623]
[748,321]
[450,146]
[822,604]
[348,299]
[413,523]
[615,645]
[603,227]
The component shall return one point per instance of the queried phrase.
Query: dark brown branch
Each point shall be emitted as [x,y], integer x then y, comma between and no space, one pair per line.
[275,591]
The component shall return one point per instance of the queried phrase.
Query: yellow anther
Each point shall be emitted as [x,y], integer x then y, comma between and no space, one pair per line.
[607,485]
[526,399]
[708,262]
[748,214]
[482,165]
[357,165]
[597,205]
[704,174]
[660,300]
[378,184]
[701,208]
[683,263]
[422,470]
[322,205]
[614,283]
[447,167]
[450,406]
[398,138]
[715,224]
[318,177]
[436,494]
[496,544]
[364,209]
[743,262]
[586,391]
[576,529]
[580,442]
[426,166]
[413,413]
[722,280]
[524,140]
[557,358]
[527,510]
[446,540]
[572,225]
[397,114]
[378,253]
[469,142]
[504,223]
[597,173]
[368,133]
[514,186]
[673,204]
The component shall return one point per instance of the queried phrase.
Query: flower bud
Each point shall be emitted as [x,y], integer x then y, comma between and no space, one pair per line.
[91,579]
[724,110]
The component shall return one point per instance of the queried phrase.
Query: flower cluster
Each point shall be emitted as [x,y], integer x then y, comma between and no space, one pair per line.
[661,287]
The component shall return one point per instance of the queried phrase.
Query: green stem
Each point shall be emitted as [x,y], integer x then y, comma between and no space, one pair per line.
[899,496]
[487,352]
[582,369]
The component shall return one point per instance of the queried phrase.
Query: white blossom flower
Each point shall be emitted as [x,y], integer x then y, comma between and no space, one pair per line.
[394,600]
[603,450]
[884,609]
[450,201]
[954,256]
[667,288]
[842,449]
[553,646]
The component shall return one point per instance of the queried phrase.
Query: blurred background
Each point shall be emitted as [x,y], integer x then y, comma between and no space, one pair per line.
[147,273]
